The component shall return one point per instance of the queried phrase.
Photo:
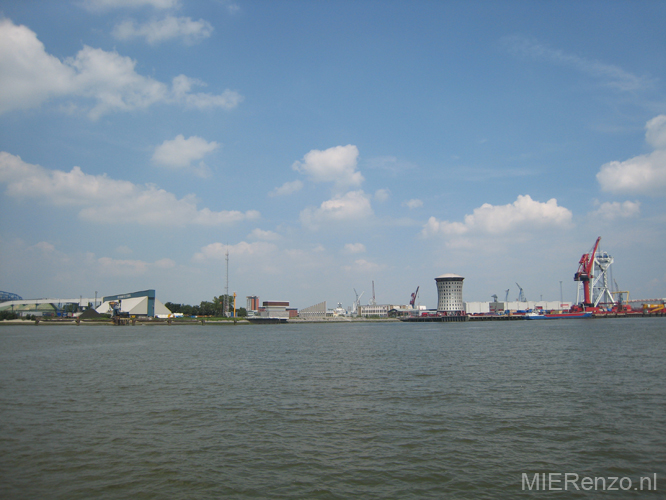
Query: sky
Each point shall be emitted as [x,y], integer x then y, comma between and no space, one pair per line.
[329,145]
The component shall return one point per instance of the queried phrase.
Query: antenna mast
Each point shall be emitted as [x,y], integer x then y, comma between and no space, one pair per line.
[226,289]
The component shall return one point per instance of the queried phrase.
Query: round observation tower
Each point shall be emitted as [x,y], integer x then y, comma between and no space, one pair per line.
[449,292]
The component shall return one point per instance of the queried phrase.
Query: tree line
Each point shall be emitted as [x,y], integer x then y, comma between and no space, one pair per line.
[207,308]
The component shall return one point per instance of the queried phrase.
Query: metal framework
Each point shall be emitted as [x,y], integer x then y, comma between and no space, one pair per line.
[593,277]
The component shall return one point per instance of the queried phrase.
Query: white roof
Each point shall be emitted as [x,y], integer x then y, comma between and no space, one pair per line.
[449,275]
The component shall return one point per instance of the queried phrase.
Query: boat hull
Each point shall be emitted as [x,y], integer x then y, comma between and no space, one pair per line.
[576,315]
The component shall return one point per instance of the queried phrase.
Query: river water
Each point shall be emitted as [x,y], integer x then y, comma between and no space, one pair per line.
[374,410]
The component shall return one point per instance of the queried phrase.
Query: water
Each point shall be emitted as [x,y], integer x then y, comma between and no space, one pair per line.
[453,410]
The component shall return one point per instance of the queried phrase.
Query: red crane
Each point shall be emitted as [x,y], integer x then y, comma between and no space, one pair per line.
[413,301]
[584,274]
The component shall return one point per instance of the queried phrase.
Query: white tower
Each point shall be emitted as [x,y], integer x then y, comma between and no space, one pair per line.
[449,292]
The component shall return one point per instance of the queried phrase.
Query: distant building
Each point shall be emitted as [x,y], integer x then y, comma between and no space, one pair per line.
[252,303]
[141,303]
[449,293]
[381,310]
[275,309]
[317,311]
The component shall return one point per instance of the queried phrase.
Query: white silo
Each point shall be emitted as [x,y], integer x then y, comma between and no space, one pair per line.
[449,292]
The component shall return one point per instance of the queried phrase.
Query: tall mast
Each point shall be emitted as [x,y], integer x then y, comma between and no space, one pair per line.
[226,288]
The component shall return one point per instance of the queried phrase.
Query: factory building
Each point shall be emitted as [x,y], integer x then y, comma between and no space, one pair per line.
[449,293]
[317,311]
[141,303]
[275,309]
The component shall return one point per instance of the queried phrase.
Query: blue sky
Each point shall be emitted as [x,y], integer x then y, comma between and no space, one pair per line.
[330,144]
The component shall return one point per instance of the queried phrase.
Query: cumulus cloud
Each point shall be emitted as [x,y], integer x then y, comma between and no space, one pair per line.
[181,152]
[29,76]
[105,200]
[413,203]
[352,207]
[287,188]
[644,174]
[523,214]
[218,251]
[616,210]
[351,248]
[157,31]
[337,165]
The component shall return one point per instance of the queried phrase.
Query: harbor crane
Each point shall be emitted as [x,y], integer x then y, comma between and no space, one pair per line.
[357,302]
[414,295]
[506,295]
[585,273]
[592,276]
[521,294]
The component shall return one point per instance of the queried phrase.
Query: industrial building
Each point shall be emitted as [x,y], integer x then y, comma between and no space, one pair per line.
[449,293]
[275,309]
[317,311]
[141,303]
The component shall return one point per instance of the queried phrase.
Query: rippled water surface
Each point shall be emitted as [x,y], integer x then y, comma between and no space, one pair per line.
[330,411]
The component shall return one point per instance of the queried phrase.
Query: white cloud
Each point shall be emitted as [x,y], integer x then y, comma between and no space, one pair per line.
[260,234]
[644,174]
[364,266]
[337,165]
[287,188]
[103,5]
[218,251]
[352,248]
[524,214]
[29,76]
[158,31]
[655,132]
[353,207]
[616,210]
[181,152]
[124,249]
[382,195]
[182,86]
[413,203]
[609,75]
[105,200]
